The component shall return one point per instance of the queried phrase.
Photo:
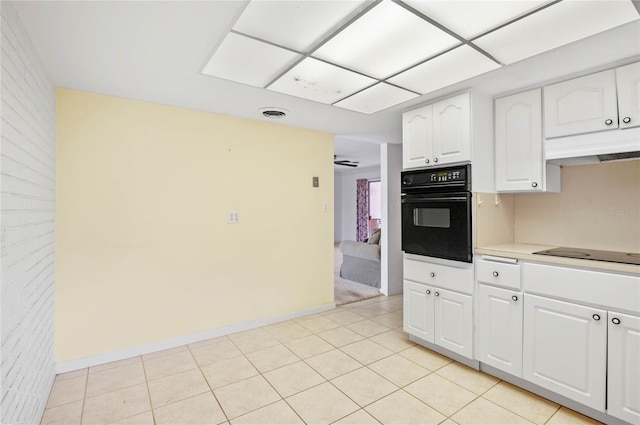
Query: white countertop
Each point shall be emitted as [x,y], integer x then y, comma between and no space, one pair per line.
[526,252]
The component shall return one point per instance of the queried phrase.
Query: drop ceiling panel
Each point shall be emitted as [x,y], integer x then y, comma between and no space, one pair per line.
[470,18]
[297,25]
[316,80]
[376,98]
[249,61]
[452,67]
[557,25]
[384,41]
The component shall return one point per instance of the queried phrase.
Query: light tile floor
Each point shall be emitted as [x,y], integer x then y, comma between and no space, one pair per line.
[351,365]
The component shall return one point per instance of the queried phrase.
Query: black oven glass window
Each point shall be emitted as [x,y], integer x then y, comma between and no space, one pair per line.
[432,217]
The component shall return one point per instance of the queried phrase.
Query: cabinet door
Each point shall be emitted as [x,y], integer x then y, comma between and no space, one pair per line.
[628,82]
[564,349]
[452,129]
[581,105]
[418,310]
[519,156]
[417,137]
[454,321]
[623,381]
[500,329]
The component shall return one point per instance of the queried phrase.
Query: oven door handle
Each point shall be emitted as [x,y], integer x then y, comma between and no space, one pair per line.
[442,199]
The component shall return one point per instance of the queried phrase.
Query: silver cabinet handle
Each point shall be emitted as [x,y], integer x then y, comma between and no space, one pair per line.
[534,184]
[432,274]
[626,120]
[615,321]
[596,317]
[609,122]
[426,161]
[515,298]
[435,159]
[437,294]
[495,274]
[428,291]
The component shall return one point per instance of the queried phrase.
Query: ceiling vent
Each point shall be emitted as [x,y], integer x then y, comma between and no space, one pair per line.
[273,113]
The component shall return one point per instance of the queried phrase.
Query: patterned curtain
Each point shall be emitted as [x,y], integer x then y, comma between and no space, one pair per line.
[362,209]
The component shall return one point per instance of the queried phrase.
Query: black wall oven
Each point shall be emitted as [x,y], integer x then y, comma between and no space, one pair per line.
[436,212]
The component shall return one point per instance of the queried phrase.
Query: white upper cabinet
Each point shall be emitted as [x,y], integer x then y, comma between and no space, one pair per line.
[606,100]
[520,164]
[437,134]
[628,81]
[452,130]
[417,136]
[581,105]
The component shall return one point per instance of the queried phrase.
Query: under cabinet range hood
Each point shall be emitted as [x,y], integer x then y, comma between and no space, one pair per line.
[594,148]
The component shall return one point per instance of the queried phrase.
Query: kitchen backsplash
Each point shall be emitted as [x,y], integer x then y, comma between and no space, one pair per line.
[598,208]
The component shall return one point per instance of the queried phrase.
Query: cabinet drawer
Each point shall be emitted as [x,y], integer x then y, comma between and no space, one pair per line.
[447,277]
[498,274]
[610,290]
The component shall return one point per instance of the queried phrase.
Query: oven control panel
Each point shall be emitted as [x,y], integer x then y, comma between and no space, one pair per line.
[446,176]
[457,176]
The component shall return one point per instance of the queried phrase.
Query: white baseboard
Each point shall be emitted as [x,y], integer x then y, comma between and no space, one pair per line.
[112,356]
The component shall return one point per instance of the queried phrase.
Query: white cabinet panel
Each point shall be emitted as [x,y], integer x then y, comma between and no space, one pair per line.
[417,137]
[452,129]
[623,380]
[448,277]
[520,164]
[581,105]
[628,81]
[418,310]
[437,134]
[454,321]
[565,349]
[500,329]
[499,274]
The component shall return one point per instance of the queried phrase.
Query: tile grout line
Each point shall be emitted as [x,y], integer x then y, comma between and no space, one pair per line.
[207,381]
[146,381]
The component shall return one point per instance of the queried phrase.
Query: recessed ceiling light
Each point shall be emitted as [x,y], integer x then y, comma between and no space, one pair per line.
[273,112]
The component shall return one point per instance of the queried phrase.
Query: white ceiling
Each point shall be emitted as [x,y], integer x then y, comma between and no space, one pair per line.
[155,51]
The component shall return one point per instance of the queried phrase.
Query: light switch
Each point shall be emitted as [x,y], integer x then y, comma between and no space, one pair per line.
[316,182]
[325,206]
[233,217]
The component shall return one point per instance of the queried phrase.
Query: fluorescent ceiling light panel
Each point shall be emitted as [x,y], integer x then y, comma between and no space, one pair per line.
[384,41]
[457,65]
[316,80]
[376,98]
[470,18]
[555,26]
[297,25]
[249,61]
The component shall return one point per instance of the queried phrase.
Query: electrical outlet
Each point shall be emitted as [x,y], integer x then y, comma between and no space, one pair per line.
[233,217]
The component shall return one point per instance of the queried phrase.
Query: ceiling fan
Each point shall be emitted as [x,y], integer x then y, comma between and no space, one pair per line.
[345,162]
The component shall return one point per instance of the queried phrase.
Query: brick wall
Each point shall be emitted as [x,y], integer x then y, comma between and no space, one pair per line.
[27,197]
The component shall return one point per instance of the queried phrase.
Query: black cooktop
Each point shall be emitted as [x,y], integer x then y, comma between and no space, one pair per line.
[592,254]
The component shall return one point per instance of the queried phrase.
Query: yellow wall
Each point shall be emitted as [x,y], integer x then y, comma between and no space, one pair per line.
[144,252]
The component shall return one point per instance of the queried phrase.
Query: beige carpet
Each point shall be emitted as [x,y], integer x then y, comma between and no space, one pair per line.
[348,291]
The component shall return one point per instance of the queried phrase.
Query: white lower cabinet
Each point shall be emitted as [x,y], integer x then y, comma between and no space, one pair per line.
[565,349]
[623,380]
[453,321]
[439,316]
[418,310]
[500,328]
